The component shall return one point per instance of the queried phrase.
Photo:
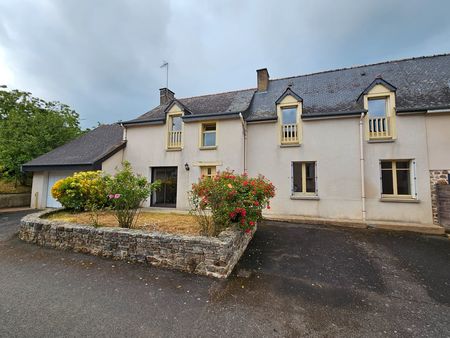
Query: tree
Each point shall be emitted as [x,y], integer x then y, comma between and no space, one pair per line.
[30,127]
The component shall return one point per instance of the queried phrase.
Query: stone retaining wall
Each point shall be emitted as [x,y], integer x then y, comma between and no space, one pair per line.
[443,197]
[210,256]
[15,200]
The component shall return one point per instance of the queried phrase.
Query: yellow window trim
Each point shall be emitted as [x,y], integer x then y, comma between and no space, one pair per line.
[204,171]
[174,112]
[395,195]
[200,138]
[208,164]
[378,92]
[290,102]
[304,192]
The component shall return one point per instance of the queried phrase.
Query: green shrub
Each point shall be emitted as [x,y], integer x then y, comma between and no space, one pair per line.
[229,199]
[82,191]
[126,192]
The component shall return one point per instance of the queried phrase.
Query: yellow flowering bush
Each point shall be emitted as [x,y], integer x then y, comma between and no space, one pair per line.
[82,190]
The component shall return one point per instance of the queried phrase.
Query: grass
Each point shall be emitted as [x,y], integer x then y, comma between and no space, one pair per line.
[150,221]
[8,187]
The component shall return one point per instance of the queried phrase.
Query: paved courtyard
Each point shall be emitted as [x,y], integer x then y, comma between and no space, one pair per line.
[294,280]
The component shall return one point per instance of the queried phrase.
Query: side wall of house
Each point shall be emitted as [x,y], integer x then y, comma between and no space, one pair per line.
[334,145]
[411,144]
[114,162]
[146,149]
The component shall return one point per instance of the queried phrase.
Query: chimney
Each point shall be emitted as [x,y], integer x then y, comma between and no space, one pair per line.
[263,79]
[165,95]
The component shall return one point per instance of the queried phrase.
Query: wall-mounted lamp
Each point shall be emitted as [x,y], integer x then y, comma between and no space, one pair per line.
[186,166]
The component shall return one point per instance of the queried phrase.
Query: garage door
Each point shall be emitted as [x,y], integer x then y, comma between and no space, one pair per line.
[52,178]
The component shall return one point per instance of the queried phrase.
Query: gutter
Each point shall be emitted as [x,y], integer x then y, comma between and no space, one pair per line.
[143,122]
[361,163]
[333,115]
[214,116]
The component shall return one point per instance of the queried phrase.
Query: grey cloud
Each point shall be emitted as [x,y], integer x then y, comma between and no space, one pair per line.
[103,57]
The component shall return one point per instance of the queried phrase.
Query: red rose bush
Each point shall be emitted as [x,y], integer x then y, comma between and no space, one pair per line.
[229,199]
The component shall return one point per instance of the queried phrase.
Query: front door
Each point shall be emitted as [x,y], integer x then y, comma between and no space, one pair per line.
[166,196]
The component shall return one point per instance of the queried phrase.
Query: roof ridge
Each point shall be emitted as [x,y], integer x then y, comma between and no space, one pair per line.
[361,66]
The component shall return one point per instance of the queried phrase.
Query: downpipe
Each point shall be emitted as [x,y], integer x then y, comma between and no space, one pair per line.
[361,162]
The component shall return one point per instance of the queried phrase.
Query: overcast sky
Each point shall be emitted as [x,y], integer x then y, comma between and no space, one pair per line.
[103,57]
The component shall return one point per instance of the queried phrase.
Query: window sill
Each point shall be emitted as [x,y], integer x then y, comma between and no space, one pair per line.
[208,148]
[381,140]
[305,197]
[289,145]
[399,200]
[174,149]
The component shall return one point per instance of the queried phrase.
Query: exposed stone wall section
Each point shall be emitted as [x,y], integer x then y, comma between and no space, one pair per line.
[443,196]
[436,176]
[209,256]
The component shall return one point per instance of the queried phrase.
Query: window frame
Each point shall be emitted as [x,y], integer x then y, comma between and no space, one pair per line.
[169,122]
[290,102]
[412,180]
[202,131]
[381,92]
[304,191]
[204,171]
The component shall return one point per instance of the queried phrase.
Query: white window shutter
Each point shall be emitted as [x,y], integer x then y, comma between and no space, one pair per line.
[315,179]
[414,177]
[292,178]
[381,178]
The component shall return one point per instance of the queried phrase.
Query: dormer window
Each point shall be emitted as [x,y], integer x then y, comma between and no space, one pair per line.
[379,121]
[289,125]
[289,109]
[379,100]
[175,131]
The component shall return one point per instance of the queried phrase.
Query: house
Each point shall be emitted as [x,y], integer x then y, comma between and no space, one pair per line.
[365,143]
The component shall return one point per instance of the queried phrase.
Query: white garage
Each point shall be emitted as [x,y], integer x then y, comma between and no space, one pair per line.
[98,149]
[52,178]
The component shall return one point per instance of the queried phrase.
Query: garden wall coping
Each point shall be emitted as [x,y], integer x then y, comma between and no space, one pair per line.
[209,256]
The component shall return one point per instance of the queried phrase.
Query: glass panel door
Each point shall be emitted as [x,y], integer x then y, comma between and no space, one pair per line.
[166,196]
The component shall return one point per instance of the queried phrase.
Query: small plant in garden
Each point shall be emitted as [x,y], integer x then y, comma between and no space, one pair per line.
[82,190]
[126,192]
[230,199]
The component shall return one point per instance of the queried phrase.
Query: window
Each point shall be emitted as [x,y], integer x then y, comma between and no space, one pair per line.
[289,125]
[208,136]
[396,178]
[377,107]
[304,178]
[174,139]
[208,171]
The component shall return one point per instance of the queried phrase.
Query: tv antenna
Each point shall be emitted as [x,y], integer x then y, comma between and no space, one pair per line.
[166,64]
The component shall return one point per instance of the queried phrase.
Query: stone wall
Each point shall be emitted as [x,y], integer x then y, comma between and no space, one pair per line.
[436,176]
[15,200]
[210,256]
[443,197]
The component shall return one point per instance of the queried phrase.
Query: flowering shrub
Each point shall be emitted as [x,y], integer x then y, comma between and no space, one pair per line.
[232,200]
[126,192]
[82,190]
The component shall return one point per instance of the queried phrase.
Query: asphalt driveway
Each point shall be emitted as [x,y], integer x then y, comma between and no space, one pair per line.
[294,280]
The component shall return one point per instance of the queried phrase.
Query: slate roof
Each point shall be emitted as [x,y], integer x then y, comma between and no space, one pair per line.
[422,82]
[88,150]
[229,102]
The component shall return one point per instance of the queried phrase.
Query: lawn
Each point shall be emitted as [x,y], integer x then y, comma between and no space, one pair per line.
[8,187]
[151,221]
